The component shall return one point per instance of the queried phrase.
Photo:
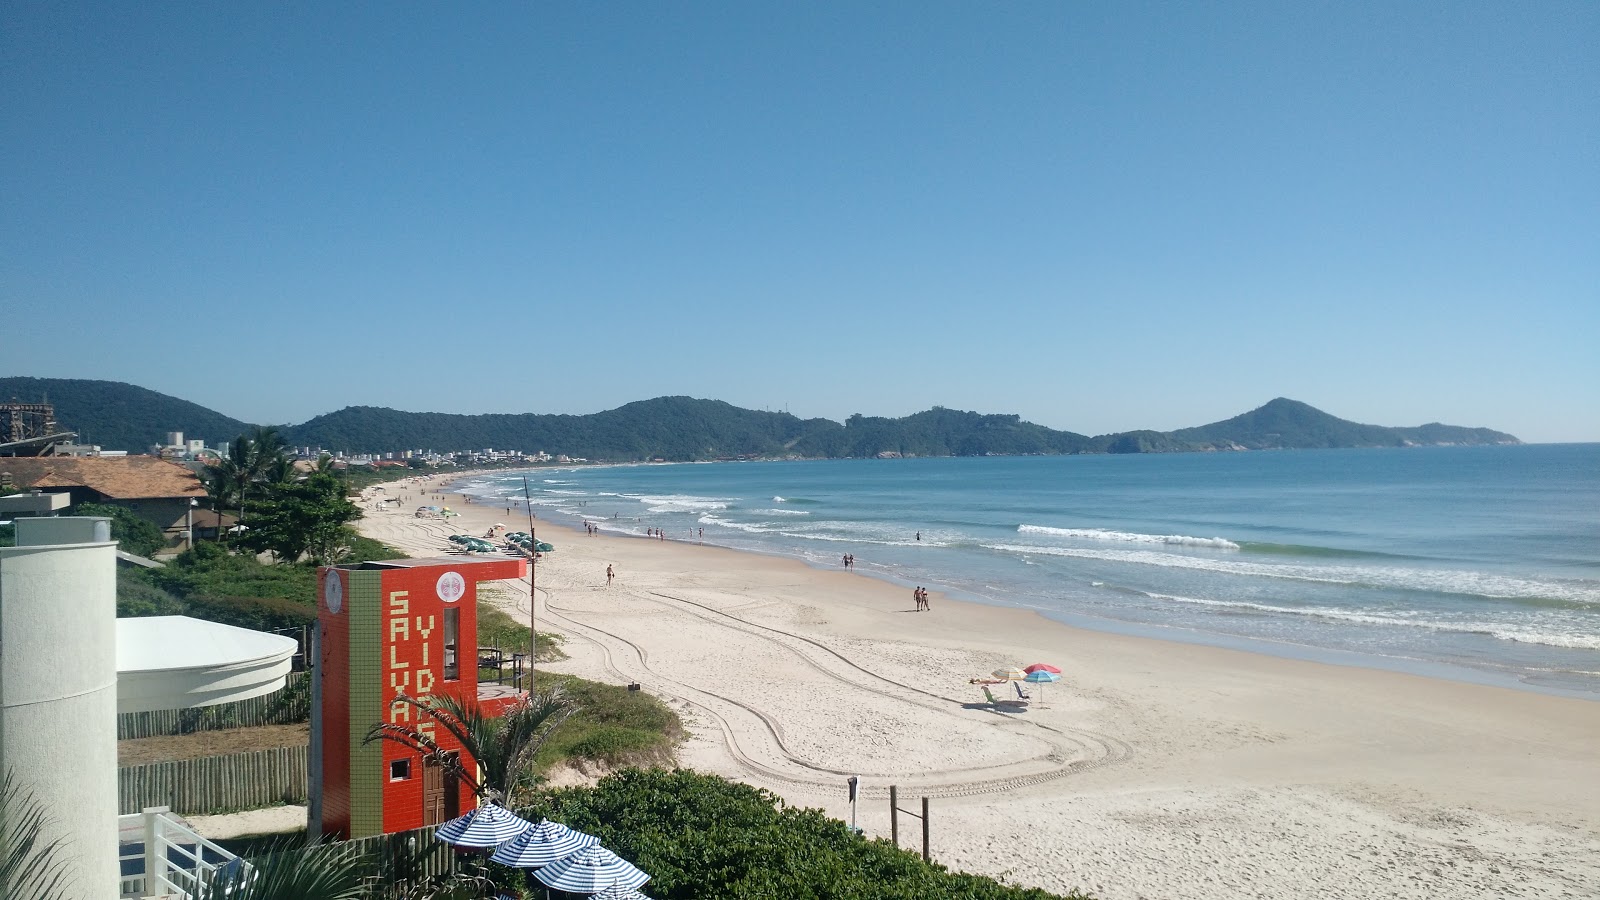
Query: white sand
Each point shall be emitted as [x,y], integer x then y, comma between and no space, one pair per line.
[1155,769]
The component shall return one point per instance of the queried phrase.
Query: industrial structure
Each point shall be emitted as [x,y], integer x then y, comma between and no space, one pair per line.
[29,429]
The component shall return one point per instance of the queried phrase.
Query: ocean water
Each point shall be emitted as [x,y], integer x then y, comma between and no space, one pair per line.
[1477,563]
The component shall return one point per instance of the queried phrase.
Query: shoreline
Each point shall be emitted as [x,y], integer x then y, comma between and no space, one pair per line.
[1487,673]
[1155,768]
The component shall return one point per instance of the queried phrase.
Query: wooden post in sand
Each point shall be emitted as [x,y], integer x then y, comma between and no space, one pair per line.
[924,829]
[894,820]
[894,816]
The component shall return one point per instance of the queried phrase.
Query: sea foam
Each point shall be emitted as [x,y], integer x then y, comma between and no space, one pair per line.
[1130,537]
[1444,581]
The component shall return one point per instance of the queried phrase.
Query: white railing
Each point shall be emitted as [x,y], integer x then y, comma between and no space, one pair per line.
[163,858]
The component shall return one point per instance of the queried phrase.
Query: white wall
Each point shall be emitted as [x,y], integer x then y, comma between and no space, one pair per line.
[58,686]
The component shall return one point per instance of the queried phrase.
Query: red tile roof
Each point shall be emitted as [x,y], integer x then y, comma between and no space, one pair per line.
[116,477]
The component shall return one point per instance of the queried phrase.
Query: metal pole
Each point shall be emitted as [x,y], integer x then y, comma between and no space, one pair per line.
[894,815]
[533,575]
[924,829]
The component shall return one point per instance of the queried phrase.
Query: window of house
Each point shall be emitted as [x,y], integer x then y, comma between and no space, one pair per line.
[400,770]
[452,632]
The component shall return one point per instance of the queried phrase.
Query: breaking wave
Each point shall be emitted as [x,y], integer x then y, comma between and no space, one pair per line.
[1130,537]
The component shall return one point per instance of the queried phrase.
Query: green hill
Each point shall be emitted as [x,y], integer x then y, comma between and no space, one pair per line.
[1283,424]
[120,416]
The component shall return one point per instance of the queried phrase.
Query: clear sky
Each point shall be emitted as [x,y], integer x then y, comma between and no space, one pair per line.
[1100,216]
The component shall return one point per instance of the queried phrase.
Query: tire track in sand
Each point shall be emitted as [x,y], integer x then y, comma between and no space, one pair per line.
[1073,750]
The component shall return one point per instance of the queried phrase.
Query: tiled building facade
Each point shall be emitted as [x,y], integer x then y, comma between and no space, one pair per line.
[385,629]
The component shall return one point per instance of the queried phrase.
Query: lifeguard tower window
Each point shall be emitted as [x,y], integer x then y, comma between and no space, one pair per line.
[452,630]
[400,770]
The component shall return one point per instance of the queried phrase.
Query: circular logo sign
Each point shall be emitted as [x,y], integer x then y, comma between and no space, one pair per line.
[451,587]
[333,592]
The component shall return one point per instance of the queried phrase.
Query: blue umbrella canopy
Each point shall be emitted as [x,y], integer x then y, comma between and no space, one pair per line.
[487,826]
[589,870]
[1042,677]
[541,845]
[618,892]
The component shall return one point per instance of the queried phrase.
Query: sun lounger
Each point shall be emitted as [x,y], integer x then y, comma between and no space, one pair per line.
[1021,694]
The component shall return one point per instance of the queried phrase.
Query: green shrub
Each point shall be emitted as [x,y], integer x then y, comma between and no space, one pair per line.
[138,596]
[132,534]
[211,570]
[258,613]
[703,836]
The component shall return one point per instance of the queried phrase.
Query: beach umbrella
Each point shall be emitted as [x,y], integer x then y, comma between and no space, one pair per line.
[1042,677]
[1010,673]
[1045,667]
[487,826]
[541,845]
[591,869]
[542,547]
[618,892]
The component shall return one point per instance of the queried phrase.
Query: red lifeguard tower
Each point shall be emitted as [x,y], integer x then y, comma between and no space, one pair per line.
[386,628]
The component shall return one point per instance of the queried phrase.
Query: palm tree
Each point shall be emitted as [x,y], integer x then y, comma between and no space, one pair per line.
[28,867]
[502,748]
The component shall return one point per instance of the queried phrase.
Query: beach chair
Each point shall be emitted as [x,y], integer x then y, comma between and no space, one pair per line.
[995,702]
[1021,694]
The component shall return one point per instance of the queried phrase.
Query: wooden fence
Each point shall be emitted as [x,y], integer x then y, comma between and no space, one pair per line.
[213,784]
[405,857]
[288,706]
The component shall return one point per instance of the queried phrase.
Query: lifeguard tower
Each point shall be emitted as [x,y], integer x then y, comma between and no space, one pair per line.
[404,626]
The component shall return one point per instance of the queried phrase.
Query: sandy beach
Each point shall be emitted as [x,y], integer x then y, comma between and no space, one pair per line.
[1154,769]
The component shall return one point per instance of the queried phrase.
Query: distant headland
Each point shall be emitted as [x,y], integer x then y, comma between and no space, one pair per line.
[122,416]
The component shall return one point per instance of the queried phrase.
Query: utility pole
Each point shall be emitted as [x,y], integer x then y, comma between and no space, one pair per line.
[533,576]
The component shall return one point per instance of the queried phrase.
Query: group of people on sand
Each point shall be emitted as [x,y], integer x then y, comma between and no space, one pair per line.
[592,528]
[921,596]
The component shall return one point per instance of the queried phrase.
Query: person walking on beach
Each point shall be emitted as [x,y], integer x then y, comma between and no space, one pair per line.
[609,574]
[916,596]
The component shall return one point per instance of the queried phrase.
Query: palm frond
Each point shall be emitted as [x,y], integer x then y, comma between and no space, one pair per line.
[287,871]
[29,866]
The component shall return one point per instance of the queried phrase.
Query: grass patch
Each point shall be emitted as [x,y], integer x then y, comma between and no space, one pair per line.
[496,628]
[613,727]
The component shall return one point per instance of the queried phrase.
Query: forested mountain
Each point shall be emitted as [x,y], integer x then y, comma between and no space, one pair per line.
[1285,423]
[122,416]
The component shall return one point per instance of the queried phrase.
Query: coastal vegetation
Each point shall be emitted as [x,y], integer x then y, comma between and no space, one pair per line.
[696,835]
[684,428]
[704,836]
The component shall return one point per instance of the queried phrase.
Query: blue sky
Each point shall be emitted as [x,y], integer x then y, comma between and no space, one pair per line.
[1098,216]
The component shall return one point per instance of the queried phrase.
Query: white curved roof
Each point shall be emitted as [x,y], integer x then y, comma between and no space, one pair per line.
[175,662]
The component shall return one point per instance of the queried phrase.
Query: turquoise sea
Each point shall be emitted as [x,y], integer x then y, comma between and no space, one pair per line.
[1476,563]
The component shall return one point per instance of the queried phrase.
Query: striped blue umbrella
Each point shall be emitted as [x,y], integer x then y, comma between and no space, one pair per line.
[589,870]
[541,845]
[618,892]
[487,826]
